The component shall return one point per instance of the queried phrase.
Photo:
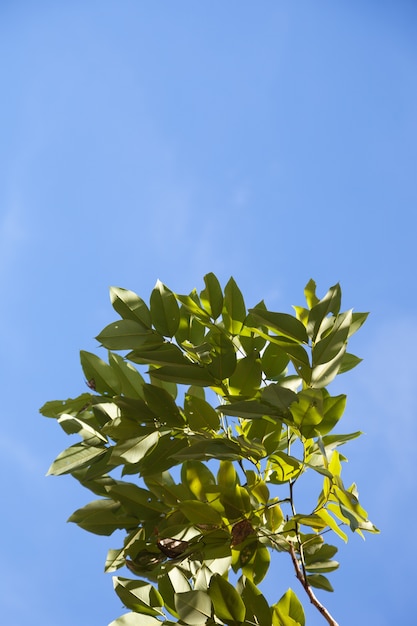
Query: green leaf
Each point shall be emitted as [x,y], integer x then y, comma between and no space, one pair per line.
[330,304]
[200,414]
[211,449]
[234,310]
[257,608]
[223,355]
[228,605]
[282,324]
[130,379]
[75,457]
[129,306]
[250,409]
[349,361]
[358,319]
[307,411]
[328,348]
[71,406]
[102,517]
[162,405]
[330,442]
[333,409]
[199,512]
[274,361]
[282,468]
[123,335]
[190,328]
[257,567]
[73,425]
[138,596]
[95,369]
[170,584]
[185,375]
[165,312]
[322,566]
[212,296]
[193,607]
[331,523]
[193,306]
[289,610]
[198,477]
[247,377]
[278,397]
[322,375]
[135,499]
[310,294]
[163,354]
[297,355]
[319,582]
[133,450]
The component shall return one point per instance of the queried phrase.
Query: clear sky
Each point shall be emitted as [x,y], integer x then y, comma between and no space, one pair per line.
[273,141]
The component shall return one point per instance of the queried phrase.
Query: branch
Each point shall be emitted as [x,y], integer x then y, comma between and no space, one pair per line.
[309,591]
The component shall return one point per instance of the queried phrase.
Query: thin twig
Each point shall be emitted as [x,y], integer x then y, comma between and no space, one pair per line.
[309,591]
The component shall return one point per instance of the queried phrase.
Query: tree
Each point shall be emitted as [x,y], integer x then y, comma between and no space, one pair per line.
[200,457]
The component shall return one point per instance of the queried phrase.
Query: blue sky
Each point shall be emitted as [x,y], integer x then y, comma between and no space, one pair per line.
[272,141]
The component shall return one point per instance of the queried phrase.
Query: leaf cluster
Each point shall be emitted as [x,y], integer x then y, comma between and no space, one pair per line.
[193,437]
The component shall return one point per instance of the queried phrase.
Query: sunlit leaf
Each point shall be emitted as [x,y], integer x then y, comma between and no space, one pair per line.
[234,310]
[165,311]
[212,296]
[289,610]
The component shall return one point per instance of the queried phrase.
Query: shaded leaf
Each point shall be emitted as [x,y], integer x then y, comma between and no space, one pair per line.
[123,335]
[193,607]
[330,304]
[228,605]
[289,610]
[129,306]
[282,324]
[184,375]
[102,517]
[138,596]
[104,377]
[320,582]
[75,457]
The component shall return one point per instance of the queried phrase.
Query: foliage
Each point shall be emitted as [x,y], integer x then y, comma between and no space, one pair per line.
[199,457]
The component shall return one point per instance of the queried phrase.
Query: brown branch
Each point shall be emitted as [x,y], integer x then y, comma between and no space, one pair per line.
[299,574]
